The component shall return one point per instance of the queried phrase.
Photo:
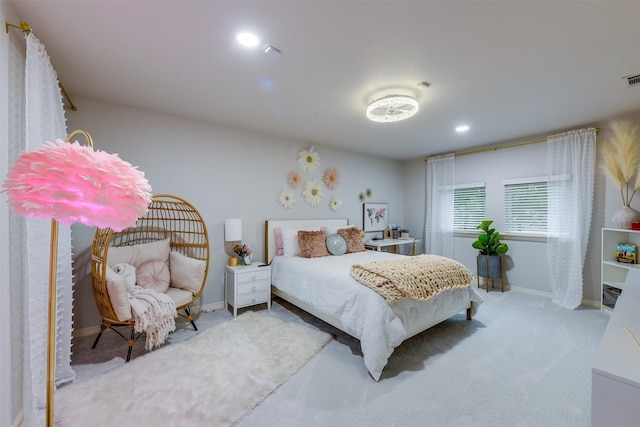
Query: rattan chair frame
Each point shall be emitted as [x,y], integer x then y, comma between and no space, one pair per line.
[168,217]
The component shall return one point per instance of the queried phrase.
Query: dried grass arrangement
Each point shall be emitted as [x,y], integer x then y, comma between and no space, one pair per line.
[621,159]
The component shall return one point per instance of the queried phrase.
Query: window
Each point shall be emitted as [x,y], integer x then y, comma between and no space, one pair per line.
[525,204]
[469,203]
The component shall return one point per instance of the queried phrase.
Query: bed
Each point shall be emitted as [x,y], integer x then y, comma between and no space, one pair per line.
[324,287]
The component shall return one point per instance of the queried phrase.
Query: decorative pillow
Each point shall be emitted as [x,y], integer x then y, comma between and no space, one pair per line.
[186,273]
[153,274]
[336,245]
[118,296]
[128,274]
[312,244]
[137,254]
[353,238]
[279,246]
[290,240]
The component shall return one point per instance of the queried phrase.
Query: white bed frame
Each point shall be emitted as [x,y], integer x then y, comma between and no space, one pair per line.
[270,251]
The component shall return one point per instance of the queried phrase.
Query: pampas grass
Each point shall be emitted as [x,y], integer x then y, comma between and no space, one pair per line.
[621,159]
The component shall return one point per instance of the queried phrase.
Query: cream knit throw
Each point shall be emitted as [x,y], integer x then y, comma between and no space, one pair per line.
[154,313]
[416,277]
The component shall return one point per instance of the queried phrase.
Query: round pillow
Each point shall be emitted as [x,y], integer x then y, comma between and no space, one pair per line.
[153,274]
[336,245]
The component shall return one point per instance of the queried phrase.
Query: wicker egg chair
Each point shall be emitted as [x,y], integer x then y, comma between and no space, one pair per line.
[168,217]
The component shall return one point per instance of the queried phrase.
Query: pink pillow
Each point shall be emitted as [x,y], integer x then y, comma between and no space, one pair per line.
[153,274]
[279,244]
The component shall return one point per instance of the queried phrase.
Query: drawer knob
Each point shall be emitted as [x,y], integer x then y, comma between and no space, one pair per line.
[253,289]
[253,277]
[253,300]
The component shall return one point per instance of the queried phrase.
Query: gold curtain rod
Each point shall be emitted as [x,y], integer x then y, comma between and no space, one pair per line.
[24,27]
[498,147]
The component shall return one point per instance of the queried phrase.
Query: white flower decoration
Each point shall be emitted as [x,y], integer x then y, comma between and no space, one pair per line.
[335,204]
[286,200]
[309,160]
[312,193]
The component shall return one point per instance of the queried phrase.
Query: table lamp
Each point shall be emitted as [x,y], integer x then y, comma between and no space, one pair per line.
[233,233]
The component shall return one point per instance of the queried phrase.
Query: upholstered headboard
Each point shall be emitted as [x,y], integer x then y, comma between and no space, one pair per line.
[270,225]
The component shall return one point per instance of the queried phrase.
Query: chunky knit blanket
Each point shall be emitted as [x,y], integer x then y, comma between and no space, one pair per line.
[417,277]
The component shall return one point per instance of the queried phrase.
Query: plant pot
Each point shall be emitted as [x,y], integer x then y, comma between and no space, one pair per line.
[490,266]
[624,216]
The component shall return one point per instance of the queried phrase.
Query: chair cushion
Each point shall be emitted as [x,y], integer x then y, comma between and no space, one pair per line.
[137,254]
[179,296]
[118,296]
[186,273]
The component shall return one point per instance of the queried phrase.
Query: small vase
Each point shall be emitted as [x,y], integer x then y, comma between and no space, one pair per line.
[241,260]
[624,216]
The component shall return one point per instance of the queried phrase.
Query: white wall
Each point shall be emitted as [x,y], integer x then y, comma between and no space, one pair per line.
[527,259]
[225,173]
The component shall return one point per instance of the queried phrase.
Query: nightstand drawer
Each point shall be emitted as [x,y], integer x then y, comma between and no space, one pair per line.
[250,276]
[253,298]
[247,288]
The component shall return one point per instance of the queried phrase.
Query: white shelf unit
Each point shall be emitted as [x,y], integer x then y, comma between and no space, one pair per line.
[614,273]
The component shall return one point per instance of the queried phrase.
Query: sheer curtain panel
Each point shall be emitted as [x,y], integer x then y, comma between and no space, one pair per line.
[571,170]
[439,185]
[44,121]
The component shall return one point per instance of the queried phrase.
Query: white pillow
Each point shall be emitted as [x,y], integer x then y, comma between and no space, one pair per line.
[333,229]
[186,273]
[290,240]
[118,296]
[137,254]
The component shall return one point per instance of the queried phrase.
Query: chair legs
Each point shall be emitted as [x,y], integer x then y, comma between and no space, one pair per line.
[189,317]
[130,341]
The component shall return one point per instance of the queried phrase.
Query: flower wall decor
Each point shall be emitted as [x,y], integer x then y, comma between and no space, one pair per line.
[331,178]
[312,193]
[335,204]
[286,200]
[308,160]
[294,179]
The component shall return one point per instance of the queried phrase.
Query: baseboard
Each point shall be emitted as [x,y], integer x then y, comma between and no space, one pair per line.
[93,330]
[585,302]
[17,422]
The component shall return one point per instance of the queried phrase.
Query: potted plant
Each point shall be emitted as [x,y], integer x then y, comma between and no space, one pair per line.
[491,249]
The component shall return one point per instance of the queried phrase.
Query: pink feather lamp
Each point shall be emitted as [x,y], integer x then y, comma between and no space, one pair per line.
[69,183]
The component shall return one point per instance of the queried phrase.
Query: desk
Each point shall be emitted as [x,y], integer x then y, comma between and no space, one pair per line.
[377,245]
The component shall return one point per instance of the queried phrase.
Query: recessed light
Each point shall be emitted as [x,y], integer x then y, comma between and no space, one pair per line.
[247,39]
[462,128]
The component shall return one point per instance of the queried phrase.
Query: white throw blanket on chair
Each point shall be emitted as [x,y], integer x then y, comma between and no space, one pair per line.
[153,312]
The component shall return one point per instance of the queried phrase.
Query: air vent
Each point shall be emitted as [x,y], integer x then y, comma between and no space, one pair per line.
[633,80]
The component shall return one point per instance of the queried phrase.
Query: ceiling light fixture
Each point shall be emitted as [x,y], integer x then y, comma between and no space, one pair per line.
[462,128]
[247,39]
[392,108]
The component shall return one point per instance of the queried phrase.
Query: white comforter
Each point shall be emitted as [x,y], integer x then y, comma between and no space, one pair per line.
[326,284]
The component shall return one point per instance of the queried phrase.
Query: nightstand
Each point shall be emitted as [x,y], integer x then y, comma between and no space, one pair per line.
[247,285]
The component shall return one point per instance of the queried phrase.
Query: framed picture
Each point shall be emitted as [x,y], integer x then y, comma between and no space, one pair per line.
[375,216]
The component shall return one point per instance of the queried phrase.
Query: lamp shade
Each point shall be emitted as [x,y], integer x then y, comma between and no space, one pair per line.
[232,229]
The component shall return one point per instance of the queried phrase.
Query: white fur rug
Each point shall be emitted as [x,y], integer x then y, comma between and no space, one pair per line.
[212,379]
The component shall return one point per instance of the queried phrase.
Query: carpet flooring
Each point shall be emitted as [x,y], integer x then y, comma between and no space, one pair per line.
[522,361]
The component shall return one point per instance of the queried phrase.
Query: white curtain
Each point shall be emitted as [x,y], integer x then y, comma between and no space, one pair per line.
[571,170]
[439,180]
[44,121]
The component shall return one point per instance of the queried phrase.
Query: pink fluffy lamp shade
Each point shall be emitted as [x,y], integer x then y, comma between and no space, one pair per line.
[73,183]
